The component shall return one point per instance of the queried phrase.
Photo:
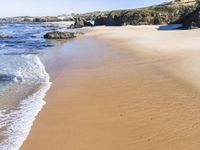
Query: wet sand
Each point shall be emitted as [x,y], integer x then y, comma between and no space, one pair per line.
[122,88]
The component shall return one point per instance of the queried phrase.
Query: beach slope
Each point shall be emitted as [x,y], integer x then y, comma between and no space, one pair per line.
[122,88]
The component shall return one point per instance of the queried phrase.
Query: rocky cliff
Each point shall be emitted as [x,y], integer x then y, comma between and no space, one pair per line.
[159,14]
[191,20]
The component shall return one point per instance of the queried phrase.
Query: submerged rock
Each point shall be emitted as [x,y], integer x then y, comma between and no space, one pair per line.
[4,36]
[60,35]
[80,22]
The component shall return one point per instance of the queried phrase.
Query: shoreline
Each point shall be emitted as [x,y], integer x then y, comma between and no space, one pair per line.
[109,92]
[24,102]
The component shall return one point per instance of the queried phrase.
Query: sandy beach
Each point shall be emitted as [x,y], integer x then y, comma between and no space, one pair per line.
[122,88]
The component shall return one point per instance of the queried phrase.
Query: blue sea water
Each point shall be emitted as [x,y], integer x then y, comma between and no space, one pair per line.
[23,79]
[25,38]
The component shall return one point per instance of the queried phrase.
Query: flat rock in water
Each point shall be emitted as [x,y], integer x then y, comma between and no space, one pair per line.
[4,36]
[60,35]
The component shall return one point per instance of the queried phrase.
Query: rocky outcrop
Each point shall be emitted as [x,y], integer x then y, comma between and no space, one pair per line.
[90,16]
[191,21]
[184,1]
[80,22]
[36,19]
[4,36]
[46,19]
[101,20]
[60,35]
[160,14]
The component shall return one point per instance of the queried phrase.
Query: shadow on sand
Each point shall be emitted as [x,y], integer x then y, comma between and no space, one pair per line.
[170,27]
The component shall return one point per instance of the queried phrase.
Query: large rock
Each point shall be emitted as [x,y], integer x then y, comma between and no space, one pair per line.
[60,35]
[79,23]
[191,21]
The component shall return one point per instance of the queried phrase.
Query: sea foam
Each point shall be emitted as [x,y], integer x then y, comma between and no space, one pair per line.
[17,121]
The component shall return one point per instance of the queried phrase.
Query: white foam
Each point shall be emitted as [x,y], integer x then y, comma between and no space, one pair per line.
[23,67]
[19,120]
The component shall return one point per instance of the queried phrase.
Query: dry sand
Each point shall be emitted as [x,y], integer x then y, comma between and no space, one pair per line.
[122,88]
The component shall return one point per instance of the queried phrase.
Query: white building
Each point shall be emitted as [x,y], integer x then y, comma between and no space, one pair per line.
[65,17]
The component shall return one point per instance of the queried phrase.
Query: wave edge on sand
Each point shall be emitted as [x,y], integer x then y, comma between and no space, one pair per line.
[18,121]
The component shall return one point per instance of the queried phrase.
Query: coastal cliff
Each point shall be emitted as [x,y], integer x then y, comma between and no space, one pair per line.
[154,15]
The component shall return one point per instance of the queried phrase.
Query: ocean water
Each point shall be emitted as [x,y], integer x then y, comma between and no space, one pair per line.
[23,80]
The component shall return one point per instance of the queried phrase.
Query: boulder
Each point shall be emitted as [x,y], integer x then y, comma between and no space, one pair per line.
[191,21]
[60,35]
[100,20]
[79,23]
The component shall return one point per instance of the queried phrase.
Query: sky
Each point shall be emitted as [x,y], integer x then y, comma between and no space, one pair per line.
[10,8]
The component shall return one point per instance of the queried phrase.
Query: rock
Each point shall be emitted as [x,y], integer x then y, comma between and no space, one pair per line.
[100,20]
[33,36]
[184,1]
[4,36]
[60,35]
[191,21]
[79,23]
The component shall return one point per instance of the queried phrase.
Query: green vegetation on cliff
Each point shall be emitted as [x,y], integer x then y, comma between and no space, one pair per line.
[158,14]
